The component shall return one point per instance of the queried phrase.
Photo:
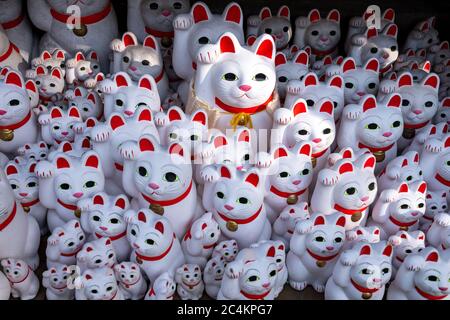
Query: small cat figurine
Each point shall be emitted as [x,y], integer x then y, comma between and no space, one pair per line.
[423,36]
[34,152]
[436,203]
[57,126]
[50,84]
[360,235]
[438,235]
[284,226]
[228,249]
[88,103]
[55,280]
[96,254]
[98,284]
[50,61]
[405,243]
[131,280]
[213,275]
[443,112]
[24,282]
[321,34]
[81,68]
[189,281]
[163,288]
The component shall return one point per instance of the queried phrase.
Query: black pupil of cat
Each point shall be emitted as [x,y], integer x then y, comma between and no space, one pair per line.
[305,172]
[126,59]
[90,184]
[150,242]
[372,186]
[310,103]
[338,240]
[114,221]
[385,270]
[327,131]
[230,76]
[133,232]
[94,291]
[247,157]
[109,289]
[177,5]
[119,103]
[146,62]
[315,33]
[82,68]
[220,195]
[282,79]
[32,184]
[335,104]
[194,138]
[396,124]
[372,85]
[253,278]
[284,174]
[52,85]
[405,102]
[65,186]
[374,50]
[421,205]
[260,77]
[303,132]
[351,191]
[349,85]
[448,163]
[14,186]
[404,206]
[154,6]
[428,104]
[320,239]
[171,177]
[14,102]
[98,261]
[142,171]
[373,126]
[268,31]
[365,271]
[203,40]
[96,218]
[243,200]
[286,29]
[333,33]
[85,109]
[432,278]
[273,273]
[409,178]
[393,48]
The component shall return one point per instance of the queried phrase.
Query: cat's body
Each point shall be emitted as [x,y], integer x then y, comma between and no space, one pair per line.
[131,280]
[24,282]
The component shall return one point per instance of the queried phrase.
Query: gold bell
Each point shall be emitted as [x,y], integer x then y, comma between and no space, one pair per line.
[232,226]
[26,209]
[356,217]
[166,42]
[156,208]
[314,162]
[321,263]
[6,135]
[409,133]
[78,213]
[404,228]
[380,156]
[292,199]
[80,32]
[366,295]
[138,260]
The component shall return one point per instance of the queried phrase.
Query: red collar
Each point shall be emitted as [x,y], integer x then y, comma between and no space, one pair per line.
[160,76]
[349,211]
[13,23]
[191,286]
[17,125]
[428,218]
[10,218]
[386,69]
[361,288]
[131,284]
[12,47]
[26,276]
[91,19]
[161,256]
[255,296]
[113,238]
[160,34]
[402,224]
[241,221]
[442,180]
[166,203]
[286,194]
[373,150]
[250,110]
[118,166]
[320,258]
[68,206]
[399,259]
[73,253]
[114,296]
[416,126]
[60,288]
[429,296]
[319,154]
[320,53]
[30,204]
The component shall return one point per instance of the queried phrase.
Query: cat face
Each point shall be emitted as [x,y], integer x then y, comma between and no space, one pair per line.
[14,101]
[10,10]
[313,125]
[323,34]
[279,27]
[237,195]
[436,203]
[88,104]
[298,212]
[424,35]
[206,229]
[61,124]
[227,249]
[374,266]
[373,129]
[106,216]
[190,275]
[365,234]
[149,234]
[216,268]
[294,170]
[86,68]
[443,113]
[57,276]
[408,167]
[381,46]
[78,179]
[23,181]
[410,203]
[70,237]
[357,185]
[159,14]
[100,284]
[244,77]
[359,81]
[433,278]
[127,272]
[55,60]
[15,270]
[442,53]
[36,151]
[327,236]
[410,243]
[280,251]
[419,101]
[288,70]
[98,254]
[49,83]
[409,57]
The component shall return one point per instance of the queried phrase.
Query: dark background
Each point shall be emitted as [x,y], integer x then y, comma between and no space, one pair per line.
[408,12]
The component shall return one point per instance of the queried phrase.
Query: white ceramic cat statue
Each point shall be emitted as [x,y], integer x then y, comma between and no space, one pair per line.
[436,203]
[405,243]
[404,168]
[89,104]
[288,70]
[50,84]
[23,280]
[434,161]
[163,288]
[10,54]
[58,125]
[55,281]
[131,280]
[189,281]
[423,36]
[213,275]
[227,249]
[98,284]
[438,235]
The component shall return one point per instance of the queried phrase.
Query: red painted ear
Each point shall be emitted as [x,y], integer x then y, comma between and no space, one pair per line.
[77,225]
[60,234]
[74,113]
[433,257]
[421,237]
[13,78]
[300,107]
[42,145]
[98,200]
[265,13]
[121,81]
[446,102]
[116,122]
[46,55]
[445,45]
[365,251]
[78,93]
[311,80]
[79,57]
[392,31]
[92,161]
[349,64]
[108,241]
[30,85]
[410,53]
[320,220]
[88,277]
[429,196]
[405,79]
[40,70]
[294,49]
[141,217]
[370,163]
[302,58]
[176,149]
[425,27]
[253,179]
[280,59]
[204,226]
[145,83]
[369,103]
[284,12]
[433,131]
[145,115]
[128,40]
[346,167]
[280,153]
[174,114]
[314,16]
[11,169]
[395,101]
[251,40]
[403,188]
[62,163]
[91,98]
[220,141]
[306,150]
[67,147]
[341,222]
[160,227]
[60,55]
[266,48]
[432,81]
[376,231]
[234,14]
[100,77]
[373,65]
[334,15]
[371,33]
[359,232]
[403,236]
[393,76]
[200,117]
[93,56]
[271,252]
[146,145]
[447,143]
[389,15]
[348,154]
[327,107]
[56,73]
[427,66]
[405,163]
[244,136]
[387,251]
[226,44]
[225,172]
[32,168]
[336,81]
[200,12]
[422,188]
[120,203]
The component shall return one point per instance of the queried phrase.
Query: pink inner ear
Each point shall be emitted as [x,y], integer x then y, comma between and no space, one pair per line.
[425,27]
[433,130]
[271,252]
[92,162]
[300,107]
[98,200]
[429,196]
[79,57]
[89,249]
[445,45]
[280,153]
[395,101]
[392,31]
[369,103]
[160,227]
[31,86]
[334,15]
[121,81]
[405,163]
[336,82]
[91,97]
[234,14]
[40,70]
[447,143]
[265,13]
[403,236]
[314,16]
[120,203]
[341,222]
[403,188]
[108,242]
[11,170]
[365,251]
[225,173]
[74,113]
[146,145]
[62,163]
[13,78]
[251,40]
[387,251]
[371,33]
[319,221]
[56,74]
[77,224]
[306,150]
[174,115]
[253,179]
[302,58]
[327,107]
[433,257]
[359,232]
[67,147]
[280,59]
[227,45]
[377,231]
[310,80]
[405,80]
[116,122]
[176,149]
[145,115]
[284,12]
[389,14]
[219,142]
[200,117]
[432,81]
[427,66]
[149,42]
[348,154]
[88,277]
[78,92]
[145,84]
[32,168]
[446,102]
[199,13]
[373,65]
[60,54]
[142,217]
[346,167]
[370,163]
[281,247]
[46,55]
[265,49]
[349,65]
[244,136]
[94,56]
[204,226]
[423,188]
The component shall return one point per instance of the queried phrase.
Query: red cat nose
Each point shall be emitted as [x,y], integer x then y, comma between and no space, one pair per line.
[361,94]
[133,68]
[154,186]
[323,39]
[166,13]
[23,194]
[297,182]
[318,140]
[65,133]
[417,111]
[129,113]
[266,285]
[103,228]
[2,112]
[443,288]
[365,198]
[387,134]
[78,194]
[245,88]
[228,207]
[240,168]
[329,248]
[377,280]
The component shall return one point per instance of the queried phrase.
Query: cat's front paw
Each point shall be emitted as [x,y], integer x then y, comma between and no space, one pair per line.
[359,40]
[357,22]
[253,21]
[442,220]
[129,216]
[41,109]
[30,74]
[79,127]
[302,22]
[107,86]
[393,173]
[71,63]
[161,119]
[293,87]
[182,22]
[44,119]
[209,174]
[414,262]
[283,116]
[388,87]
[84,205]
[208,54]
[90,83]
[395,241]
[389,196]
[328,177]
[303,227]
[234,270]
[117,45]
[263,160]
[100,133]
[433,146]
[349,258]
[352,112]
[69,94]
[45,170]
[129,150]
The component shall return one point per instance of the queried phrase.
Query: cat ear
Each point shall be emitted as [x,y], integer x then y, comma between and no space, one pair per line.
[347,154]
[201,117]
[122,80]
[403,188]
[100,77]
[280,152]
[265,13]
[424,26]
[142,217]
[200,12]
[14,78]
[405,79]
[32,167]
[146,144]
[300,106]
[79,57]
[98,200]
[147,82]
[265,47]
[78,93]
[334,15]
[62,163]
[66,147]
[93,56]
[233,13]
[92,98]
[348,65]
[271,252]
[445,103]
[388,251]
[175,114]
[280,59]
[305,149]
[394,101]
[11,169]
[121,202]
[336,81]
[56,113]
[326,106]
[60,55]
[74,113]
[426,66]
[432,80]
[302,58]
[365,251]
[447,143]
[370,162]
[416,157]
[253,179]
[129,39]
[372,65]
[444,45]
[176,149]
[389,14]
[116,121]
[371,33]
[346,167]
[311,80]
[421,236]
[376,231]
[41,70]
[46,55]
[319,221]
[422,188]
[228,43]
[391,31]
[160,227]
[314,16]
[251,40]
[91,160]
[284,12]
[369,102]
[341,222]
[244,136]
[432,257]
[225,172]
[150,42]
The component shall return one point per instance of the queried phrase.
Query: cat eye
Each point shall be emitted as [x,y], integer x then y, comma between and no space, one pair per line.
[119,103]
[374,50]
[81,238]
[408,251]
[83,69]
[303,132]
[372,86]
[109,288]
[268,30]
[320,239]
[396,124]
[260,77]
[95,67]
[310,103]
[405,103]
[85,109]
[284,174]
[350,191]
[448,163]
[230,77]
[420,172]
[194,137]
[243,200]
[126,59]
[142,104]
[409,178]
[14,187]
[133,232]
[96,218]
[247,157]
[94,291]
[306,172]
[394,48]
[335,104]
[114,221]
[43,155]
[372,126]
[253,278]
[429,104]
[278,260]
[31,185]
[38,83]
[111,255]
[90,184]
[315,33]
[372,186]
[170,177]
[273,273]
[62,65]
[220,195]
[98,261]
[327,131]
[434,208]
[286,29]
[421,205]
[415,78]
[65,186]
[404,206]
[203,40]
[385,271]
[338,240]
[282,79]
[153,6]
[173,136]
[433,278]
[444,207]
[332,33]
[142,172]
[442,56]
[177,5]
[443,115]
[145,62]
[56,127]
[349,85]
[366,271]
[14,102]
